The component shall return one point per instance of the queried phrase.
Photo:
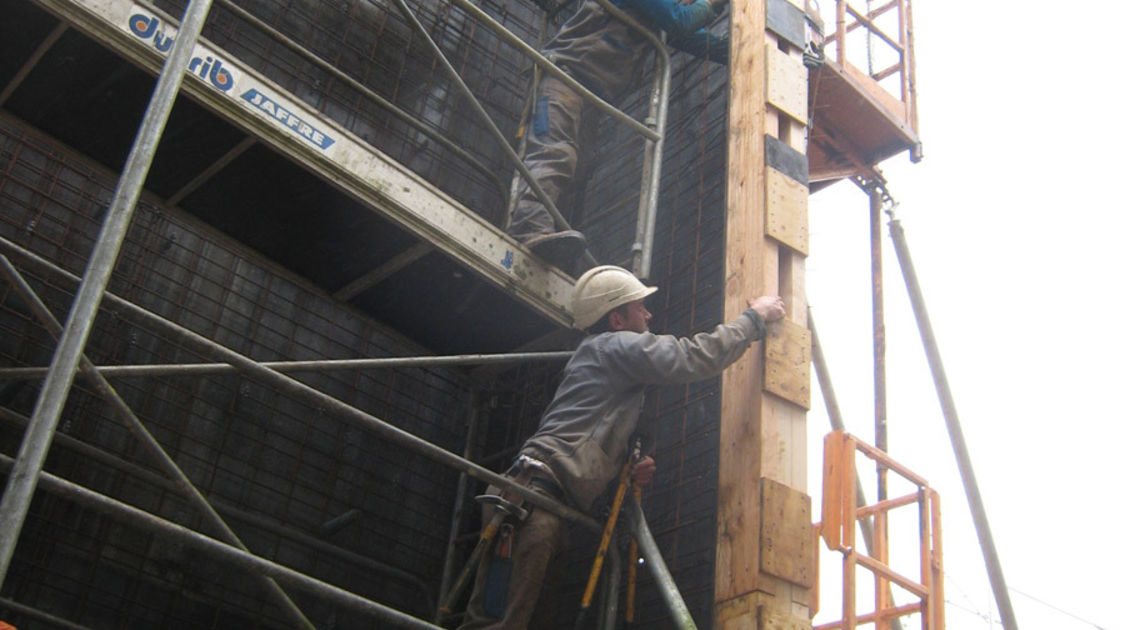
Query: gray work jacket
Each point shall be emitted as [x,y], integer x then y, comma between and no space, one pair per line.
[584,434]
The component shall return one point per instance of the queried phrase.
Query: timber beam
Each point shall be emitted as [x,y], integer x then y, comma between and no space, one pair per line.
[764,545]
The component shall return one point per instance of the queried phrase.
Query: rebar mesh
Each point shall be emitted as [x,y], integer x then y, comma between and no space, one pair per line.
[302,468]
[241,444]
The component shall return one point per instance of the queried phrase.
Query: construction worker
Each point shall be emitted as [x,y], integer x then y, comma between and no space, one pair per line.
[584,436]
[606,56]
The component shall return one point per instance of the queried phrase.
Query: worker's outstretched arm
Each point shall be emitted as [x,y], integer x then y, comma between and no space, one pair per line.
[665,359]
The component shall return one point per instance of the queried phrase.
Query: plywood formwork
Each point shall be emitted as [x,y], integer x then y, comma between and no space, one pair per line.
[763,414]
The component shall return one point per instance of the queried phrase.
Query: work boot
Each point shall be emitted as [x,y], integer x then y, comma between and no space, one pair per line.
[557,248]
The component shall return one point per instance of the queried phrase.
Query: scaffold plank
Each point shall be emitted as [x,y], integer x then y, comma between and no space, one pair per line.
[224,83]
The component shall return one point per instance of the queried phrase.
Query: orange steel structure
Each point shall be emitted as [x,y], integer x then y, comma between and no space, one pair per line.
[841,512]
[849,19]
[863,115]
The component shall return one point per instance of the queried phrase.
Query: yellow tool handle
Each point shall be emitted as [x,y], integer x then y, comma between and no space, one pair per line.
[607,534]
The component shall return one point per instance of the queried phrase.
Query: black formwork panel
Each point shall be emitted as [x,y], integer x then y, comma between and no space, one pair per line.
[287,468]
[372,43]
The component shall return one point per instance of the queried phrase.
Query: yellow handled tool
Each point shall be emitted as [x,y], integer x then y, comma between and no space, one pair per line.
[607,533]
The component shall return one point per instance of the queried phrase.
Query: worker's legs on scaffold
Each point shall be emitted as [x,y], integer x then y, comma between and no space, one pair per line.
[552,158]
[537,540]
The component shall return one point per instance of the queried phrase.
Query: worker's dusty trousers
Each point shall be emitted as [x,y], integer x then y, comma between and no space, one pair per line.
[560,127]
[538,540]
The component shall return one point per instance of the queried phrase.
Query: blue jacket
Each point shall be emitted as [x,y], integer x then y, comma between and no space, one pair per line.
[606,55]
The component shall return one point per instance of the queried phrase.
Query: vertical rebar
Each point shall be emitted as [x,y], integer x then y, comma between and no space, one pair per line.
[953,426]
[300,391]
[385,616]
[48,408]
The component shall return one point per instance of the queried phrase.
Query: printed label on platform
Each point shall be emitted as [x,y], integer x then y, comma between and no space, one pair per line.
[205,65]
[209,66]
[286,117]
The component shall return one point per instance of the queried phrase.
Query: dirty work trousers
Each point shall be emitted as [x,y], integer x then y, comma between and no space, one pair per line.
[538,540]
[562,124]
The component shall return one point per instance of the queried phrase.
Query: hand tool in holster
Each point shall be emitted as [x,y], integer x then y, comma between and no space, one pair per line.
[506,504]
[607,534]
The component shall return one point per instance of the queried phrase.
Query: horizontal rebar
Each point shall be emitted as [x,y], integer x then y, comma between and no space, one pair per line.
[64,363]
[681,616]
[230,511]
[310,395]
[181,482]
[545,199]
[241,559]
[39,614]
[423,127]
[325,365]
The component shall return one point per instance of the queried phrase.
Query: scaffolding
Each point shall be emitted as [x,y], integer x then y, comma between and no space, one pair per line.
[26,472]
[438,216]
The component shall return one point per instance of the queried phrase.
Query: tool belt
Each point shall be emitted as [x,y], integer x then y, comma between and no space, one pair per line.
[541,477]
[528,472]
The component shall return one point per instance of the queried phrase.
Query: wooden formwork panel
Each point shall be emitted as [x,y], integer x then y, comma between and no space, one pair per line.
[785,553]
[787,211]
[787,84]
[788,356]
[772,620]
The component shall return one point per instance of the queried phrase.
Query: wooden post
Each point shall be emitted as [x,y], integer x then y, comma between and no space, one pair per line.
[764,544]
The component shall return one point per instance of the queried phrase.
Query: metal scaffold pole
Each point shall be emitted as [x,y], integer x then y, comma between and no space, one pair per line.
[953,425]
[321,365]
[300,391]
[182,483]
[305,393]
[226,553]
[48,408]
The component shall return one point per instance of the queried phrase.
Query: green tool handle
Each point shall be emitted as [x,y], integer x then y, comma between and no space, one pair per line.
[479,550]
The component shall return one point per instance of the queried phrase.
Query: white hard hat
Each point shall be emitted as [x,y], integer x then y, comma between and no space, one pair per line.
[602,289]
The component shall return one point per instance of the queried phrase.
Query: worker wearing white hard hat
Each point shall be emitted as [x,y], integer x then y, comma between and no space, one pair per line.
[585,434]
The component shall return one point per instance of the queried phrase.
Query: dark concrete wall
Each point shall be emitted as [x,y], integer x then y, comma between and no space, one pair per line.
[371,42]
[240,442]
[290,463]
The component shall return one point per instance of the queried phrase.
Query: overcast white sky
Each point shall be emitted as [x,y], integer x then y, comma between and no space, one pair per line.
[1015,227]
